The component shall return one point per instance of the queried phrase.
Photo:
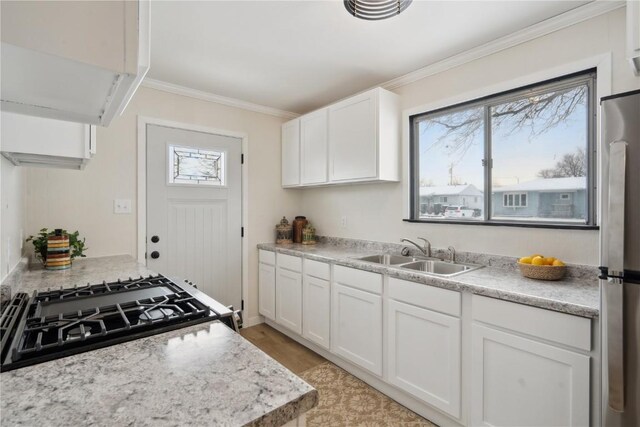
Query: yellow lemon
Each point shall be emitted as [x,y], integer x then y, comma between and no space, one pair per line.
[537,260]
[549,261]
[535,255]
[525,260]
[558,263]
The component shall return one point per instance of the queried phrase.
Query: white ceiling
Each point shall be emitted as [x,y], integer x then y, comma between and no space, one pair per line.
[300,55]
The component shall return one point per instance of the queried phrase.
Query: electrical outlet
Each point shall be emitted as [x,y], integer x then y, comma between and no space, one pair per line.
[122,206]
[343,222]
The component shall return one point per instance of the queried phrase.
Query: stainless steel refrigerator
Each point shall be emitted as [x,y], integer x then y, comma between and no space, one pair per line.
[620,259]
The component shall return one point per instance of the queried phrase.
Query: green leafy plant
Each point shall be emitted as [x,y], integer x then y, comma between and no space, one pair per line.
[76,244]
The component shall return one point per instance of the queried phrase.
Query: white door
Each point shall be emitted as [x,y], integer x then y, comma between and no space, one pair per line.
[521,382]
[353,147]
[194,210]
[289,299]
[291,153]
[356,327]
[267,291]
[316,310]
[423,355]
[313,145]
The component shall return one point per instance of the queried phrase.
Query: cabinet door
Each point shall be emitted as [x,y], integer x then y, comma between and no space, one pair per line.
[313,143]
[316,310]
[353,147]
[423,355]
[356,327]
[267,291]
[518,381]
[291,153]
[289,299]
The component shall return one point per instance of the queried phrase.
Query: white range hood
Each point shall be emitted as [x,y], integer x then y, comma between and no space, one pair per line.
[40,142]
[73,61]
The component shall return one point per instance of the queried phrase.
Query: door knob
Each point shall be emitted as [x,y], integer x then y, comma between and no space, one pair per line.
[155,239]
[155,254]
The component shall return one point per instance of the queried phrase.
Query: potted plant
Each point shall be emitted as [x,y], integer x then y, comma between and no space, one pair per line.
[76,244]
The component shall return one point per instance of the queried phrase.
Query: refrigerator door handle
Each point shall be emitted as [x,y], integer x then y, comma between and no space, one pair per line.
[614,285]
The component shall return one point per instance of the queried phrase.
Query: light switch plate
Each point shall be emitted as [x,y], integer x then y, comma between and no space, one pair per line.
[122,206]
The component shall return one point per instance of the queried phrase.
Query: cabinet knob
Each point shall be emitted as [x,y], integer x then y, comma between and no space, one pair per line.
[155,239]
[155,254]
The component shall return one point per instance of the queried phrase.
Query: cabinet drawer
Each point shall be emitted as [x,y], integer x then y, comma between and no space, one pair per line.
[289,262]
[267,257]
[425,296]
[359,279]
[550,325]
[317,269]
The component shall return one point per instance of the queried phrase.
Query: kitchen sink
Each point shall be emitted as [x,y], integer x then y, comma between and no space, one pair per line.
[440,268]
[387,259]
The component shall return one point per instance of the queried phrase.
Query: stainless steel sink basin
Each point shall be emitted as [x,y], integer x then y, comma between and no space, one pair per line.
[440,268]
[387,259]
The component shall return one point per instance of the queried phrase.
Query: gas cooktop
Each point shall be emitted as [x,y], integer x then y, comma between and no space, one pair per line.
[57,323]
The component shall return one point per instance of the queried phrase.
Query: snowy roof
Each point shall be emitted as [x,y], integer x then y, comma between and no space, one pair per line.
[451,190]
[547,184]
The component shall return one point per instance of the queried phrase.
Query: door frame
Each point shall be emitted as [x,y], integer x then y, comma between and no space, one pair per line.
[143,121]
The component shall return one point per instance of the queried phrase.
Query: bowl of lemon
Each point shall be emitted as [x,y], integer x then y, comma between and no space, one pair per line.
[540,267]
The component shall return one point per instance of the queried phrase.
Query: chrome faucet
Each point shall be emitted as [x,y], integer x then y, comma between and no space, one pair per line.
[452,252]
[425,249]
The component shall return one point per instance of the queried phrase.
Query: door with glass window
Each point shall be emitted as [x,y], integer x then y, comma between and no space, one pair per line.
[194,209]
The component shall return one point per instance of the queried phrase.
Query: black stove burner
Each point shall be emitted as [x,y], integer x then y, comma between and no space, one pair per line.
[79,332]
[57,323]
[155,314]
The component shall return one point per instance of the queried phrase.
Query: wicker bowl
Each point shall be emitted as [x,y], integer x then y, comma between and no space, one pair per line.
[542,272]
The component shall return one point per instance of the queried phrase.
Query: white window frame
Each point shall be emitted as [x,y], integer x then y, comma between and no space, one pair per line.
[519,195]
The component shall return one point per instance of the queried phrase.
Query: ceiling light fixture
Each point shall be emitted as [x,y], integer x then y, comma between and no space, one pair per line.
[375,10]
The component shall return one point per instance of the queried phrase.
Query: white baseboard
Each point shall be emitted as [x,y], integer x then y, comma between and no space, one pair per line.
[252,321]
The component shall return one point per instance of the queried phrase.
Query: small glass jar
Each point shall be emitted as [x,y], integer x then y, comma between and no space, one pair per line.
[309,234]
[284,232]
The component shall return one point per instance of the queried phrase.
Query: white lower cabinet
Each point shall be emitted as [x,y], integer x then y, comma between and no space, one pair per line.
[289,299]
[423,354]
[356,327]
[267,290]
[316,310]
[518,381]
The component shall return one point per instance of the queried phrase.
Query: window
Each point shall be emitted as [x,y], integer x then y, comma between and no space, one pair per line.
[194,166]
[518,200]
[515,156]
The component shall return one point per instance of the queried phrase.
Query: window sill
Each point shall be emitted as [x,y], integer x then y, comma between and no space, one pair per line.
[507,224]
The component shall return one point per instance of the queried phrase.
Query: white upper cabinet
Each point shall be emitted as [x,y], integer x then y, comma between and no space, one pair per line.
[313,144]
[73,61]
[354,140]
[364,138]
[633,34]
[36,141]
[291,153]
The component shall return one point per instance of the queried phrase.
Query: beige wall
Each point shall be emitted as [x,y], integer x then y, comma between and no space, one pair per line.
[375,211]
[83,200]
[12,215]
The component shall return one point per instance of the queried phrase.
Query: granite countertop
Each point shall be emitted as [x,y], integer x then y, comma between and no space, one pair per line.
[205,374]
[573,295]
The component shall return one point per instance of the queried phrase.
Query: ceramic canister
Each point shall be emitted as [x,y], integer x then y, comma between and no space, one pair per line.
[58,251]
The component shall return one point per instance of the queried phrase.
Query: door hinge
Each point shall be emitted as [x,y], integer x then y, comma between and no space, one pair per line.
[241,231]
[242,159]
[145,255]
[241,304]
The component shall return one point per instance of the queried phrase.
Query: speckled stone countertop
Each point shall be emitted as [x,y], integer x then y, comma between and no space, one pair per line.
[573,295]
[200,375]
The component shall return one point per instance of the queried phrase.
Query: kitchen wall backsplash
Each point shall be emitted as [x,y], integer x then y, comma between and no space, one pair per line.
[577,271]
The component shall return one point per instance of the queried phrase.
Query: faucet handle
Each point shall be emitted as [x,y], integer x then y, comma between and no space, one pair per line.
[452,250]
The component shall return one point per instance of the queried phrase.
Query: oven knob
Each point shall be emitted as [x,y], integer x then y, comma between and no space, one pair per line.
[155,254]
[155,239]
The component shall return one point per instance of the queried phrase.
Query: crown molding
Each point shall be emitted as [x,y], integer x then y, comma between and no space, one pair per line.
[218,99]
[572,17]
